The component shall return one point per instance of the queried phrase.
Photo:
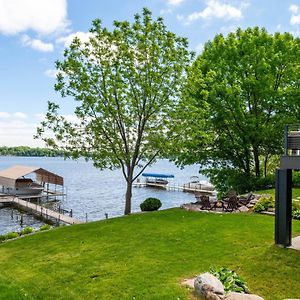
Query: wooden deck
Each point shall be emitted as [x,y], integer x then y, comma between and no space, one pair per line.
[39,210]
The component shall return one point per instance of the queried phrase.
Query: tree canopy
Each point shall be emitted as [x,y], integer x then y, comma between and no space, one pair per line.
[126,82]
[249,82]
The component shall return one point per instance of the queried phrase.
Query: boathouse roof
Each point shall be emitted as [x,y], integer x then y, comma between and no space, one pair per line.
[8,177]
[157,175]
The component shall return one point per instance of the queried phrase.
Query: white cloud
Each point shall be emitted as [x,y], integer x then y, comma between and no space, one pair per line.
[294,9]
[16,129]
[36,44]
[295,18]
[175,2]
[67,40]
[227,29]
[51,73]
[199,48]
[41,16]
[19,115]
[215,10]
[165,11]
[4,115]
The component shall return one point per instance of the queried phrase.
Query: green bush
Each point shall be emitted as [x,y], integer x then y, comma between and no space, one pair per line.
[226,179]
[295,205]
[150,204]
[264,183]
[264,204]
[296,178]
[26,230]
[232,281]
[45,227]
[11,235]
[296,214]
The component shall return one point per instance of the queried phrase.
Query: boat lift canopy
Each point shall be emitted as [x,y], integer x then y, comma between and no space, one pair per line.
[156,175]
[8,177]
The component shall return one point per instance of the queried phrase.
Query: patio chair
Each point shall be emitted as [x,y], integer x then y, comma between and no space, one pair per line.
[204,202]
[231,204]
[246,200]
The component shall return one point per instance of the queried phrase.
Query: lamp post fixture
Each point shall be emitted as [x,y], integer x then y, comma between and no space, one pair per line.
[289,161]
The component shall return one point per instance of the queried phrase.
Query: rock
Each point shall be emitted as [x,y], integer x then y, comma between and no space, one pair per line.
[243,209]
[189,282]
[209,286]
[240,296]
[254,201]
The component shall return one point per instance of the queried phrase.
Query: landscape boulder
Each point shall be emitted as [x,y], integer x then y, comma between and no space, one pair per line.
[243,209]
[209,287]
[240,296]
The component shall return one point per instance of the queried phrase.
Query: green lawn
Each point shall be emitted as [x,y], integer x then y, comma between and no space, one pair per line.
[145,256]
[296,192]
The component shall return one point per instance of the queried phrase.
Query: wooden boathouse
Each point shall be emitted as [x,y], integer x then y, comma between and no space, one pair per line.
[19,191]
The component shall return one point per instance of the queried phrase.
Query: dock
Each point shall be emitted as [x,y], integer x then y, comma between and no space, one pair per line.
[173,188]
[38,210]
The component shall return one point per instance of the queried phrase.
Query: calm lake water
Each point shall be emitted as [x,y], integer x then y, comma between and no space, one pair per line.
[94,192]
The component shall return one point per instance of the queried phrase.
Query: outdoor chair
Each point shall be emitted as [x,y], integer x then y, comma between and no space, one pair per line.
[231,204]
[204,202]
[246,200]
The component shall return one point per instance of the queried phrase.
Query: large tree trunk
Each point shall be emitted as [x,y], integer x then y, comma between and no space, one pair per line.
[256,162]
[128,198]
[265,165]
[128,193]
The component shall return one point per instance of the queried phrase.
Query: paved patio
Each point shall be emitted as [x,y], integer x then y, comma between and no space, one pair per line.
[295,243]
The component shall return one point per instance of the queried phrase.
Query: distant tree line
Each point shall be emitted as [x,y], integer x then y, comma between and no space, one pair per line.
[28,151]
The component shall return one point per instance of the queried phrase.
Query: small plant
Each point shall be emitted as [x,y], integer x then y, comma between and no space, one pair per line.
[296,214]
[264,204]
[45,227]
[231,281]
[295,205]
[26,230]
[150,204]
[11,235]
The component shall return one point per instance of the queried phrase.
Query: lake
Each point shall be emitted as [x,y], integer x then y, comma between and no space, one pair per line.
[94,192]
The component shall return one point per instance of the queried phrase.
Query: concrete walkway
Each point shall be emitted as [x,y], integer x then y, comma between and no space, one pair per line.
[295,243]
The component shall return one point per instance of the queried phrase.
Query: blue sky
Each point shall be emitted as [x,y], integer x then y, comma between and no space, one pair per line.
[33,34]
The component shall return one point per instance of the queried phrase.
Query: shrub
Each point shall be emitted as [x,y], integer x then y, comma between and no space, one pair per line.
[264,204]
[295,205]
[232,281]
[264,183]
[26,230]
[150,204]
[296,214]
[296,178]
[45,227]
[11,235]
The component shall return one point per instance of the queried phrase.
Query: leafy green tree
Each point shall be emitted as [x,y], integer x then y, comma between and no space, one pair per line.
[250,83]
[125,83]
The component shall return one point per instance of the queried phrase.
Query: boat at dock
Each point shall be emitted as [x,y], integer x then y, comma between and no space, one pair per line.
[24,186]
[198,185]
[16,181]
[156,179]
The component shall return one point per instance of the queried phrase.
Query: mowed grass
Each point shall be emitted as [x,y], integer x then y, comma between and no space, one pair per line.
[295,192]
[145,256]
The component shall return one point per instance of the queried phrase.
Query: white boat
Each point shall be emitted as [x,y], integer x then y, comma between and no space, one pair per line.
[196,184]
[24,186]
